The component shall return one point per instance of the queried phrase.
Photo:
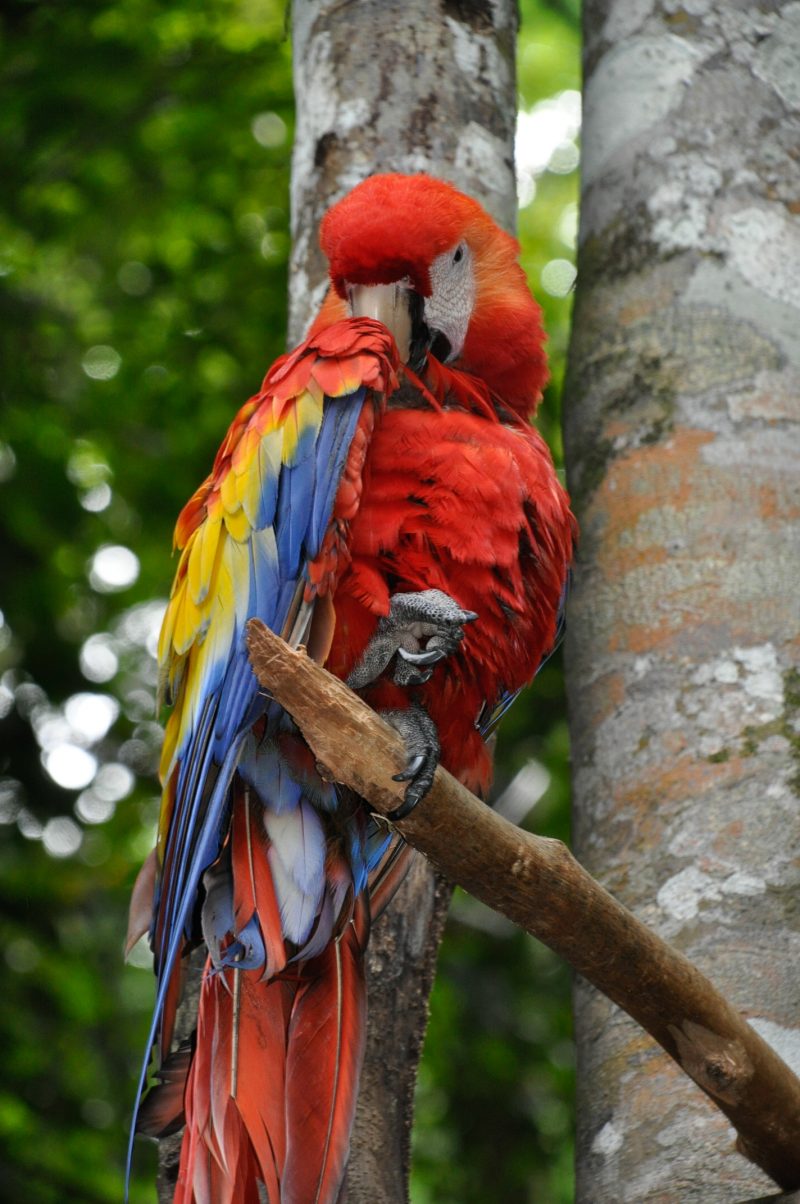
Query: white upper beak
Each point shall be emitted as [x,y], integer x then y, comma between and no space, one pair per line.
[386,303]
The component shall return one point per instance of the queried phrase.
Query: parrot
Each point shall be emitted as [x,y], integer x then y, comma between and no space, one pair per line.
[385,502]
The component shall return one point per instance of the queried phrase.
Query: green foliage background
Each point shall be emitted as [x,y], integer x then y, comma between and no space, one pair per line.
[143,248]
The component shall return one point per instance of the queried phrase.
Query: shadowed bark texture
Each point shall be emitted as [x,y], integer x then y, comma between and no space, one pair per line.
[394,85]
[684,464]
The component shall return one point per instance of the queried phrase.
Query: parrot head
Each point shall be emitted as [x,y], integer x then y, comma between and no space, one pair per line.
[430,263]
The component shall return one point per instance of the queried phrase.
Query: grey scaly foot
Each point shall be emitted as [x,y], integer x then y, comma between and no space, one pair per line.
[422,629]
[422,751]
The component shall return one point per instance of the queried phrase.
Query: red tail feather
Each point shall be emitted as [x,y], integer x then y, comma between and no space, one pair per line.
[326,1048]
[271,1093]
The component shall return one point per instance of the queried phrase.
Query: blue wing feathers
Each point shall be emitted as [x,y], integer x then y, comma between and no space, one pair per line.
[288,523]
[334,443]
[184,906]
[300,522]
[294,506]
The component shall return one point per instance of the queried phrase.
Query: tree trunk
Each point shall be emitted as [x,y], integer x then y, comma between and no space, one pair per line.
[684,464]
[393,85]
[396,85]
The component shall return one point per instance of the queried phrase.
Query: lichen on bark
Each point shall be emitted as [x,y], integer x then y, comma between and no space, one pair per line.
[683,448]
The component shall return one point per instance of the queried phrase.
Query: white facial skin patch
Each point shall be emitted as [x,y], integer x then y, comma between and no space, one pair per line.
[449,307]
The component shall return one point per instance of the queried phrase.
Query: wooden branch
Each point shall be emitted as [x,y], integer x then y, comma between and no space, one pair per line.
[539,885]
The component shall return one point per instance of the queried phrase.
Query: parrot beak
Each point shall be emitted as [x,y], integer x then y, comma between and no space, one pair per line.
[399,308]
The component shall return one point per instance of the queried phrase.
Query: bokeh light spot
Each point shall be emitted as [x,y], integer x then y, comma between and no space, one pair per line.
[113,568]
[97,499]
[564,159]
[87,466]
[268,129]
[6,693]
[98,659]
[252,225]
[141,625]
[545,140]
[70,766]
[22,955]
[558,277]
[101,362]
[113,782]
[568,226]
[61,836]
[9,800]
[96,848]
[92,809]
[28,824]
[134,278]
[91,715]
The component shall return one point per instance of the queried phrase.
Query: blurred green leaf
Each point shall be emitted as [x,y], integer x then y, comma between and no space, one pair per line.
[144,149]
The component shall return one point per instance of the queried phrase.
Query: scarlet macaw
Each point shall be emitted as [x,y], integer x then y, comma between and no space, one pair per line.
[384,500]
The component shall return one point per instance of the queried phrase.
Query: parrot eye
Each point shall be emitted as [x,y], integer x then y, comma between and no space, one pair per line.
[459,254]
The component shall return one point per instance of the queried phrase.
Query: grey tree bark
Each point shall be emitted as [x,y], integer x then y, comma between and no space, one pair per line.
[683,447]
[396,85]
[393,85]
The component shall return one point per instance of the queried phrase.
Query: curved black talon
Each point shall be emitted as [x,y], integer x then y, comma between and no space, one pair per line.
[422,747]
[404,810]
[410,675]
[411,770]
[415,792]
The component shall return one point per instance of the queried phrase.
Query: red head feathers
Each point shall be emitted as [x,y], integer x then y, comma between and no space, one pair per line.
[393,227]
